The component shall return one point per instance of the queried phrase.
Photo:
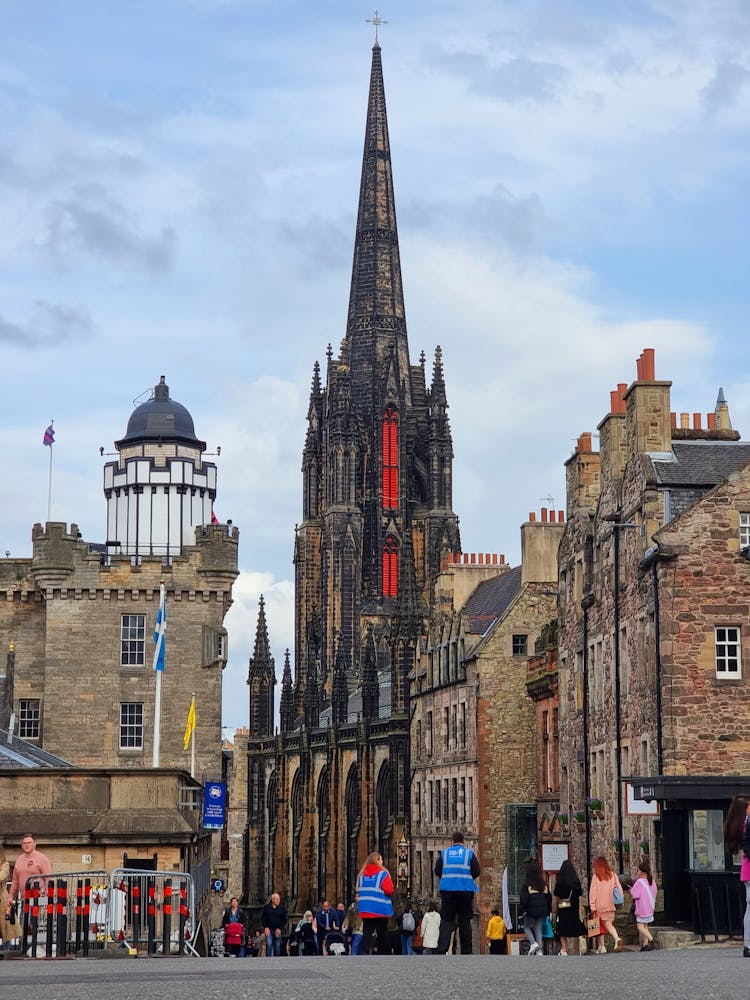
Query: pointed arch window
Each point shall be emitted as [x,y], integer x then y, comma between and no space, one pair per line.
[390,458]
[390,567]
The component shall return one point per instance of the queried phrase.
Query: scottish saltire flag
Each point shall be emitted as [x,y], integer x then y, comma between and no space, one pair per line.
[160,632]
[49,436]
[189,726]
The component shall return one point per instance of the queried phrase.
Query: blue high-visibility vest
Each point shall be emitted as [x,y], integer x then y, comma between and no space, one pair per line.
[456,875]
[371,898]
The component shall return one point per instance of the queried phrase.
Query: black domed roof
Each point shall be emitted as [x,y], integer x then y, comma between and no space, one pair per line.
[161,419]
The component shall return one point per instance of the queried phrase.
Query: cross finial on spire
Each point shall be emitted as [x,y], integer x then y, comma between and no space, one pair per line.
[376,20]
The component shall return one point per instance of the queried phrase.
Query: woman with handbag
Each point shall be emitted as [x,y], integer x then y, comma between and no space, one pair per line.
[605,895]
[566,905]
[535,904]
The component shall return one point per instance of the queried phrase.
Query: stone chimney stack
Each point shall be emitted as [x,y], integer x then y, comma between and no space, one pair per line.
[648,419]
[582,477]
[540,539]
[613,439]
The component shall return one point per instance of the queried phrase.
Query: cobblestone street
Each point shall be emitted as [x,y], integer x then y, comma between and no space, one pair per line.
[691,973]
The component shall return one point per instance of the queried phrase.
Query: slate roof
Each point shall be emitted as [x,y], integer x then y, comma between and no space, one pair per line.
[354,707]
[21,753]
[490,600]
[701,463]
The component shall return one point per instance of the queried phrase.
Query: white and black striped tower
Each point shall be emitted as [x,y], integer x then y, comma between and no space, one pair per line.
[160,488]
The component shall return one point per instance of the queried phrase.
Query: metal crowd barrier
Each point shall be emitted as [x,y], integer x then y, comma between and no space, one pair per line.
[153,909]
[65,913]
[71,913]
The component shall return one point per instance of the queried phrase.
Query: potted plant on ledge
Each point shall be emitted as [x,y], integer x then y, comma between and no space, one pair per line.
[596,808]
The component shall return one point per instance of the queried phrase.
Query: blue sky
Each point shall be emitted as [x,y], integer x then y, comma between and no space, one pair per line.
[178,189]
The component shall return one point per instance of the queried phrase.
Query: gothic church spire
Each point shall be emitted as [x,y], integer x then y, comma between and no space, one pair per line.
[376,303]
[261,678]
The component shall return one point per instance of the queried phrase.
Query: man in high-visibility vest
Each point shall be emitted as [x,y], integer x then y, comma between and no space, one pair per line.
[457,867]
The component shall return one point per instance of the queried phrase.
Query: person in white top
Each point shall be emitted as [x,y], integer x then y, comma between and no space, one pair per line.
[430,930]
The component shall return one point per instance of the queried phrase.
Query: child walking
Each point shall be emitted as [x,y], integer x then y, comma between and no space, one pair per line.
[643,892]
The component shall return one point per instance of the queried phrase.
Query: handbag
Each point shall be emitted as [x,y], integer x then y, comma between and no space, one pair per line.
[547,931]
[592,925]
[565,904]
[617,897]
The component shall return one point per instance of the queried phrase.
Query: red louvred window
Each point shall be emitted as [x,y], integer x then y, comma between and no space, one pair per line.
[390,459]
[390,567]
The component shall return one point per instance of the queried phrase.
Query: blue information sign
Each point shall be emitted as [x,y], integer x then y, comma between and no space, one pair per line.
[214,803]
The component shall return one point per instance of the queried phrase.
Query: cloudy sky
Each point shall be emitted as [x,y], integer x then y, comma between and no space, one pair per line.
[178,189]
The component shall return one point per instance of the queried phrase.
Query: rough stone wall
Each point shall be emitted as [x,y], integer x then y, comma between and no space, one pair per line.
[237,811]
[706,584]
[506,733]
[64,616]
[445,757]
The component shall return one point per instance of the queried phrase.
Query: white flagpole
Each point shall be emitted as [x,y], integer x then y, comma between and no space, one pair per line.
[192,739]
[49,488]
[157,720]
[157,697]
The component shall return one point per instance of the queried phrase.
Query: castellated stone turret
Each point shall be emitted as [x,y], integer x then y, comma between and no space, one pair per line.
[81,615]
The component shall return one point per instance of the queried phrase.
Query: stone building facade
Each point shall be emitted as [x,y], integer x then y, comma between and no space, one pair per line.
[474,746]
[654,596]
[81,615]
[377,519]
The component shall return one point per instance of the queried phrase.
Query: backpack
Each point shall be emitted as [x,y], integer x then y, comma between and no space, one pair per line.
[408,924]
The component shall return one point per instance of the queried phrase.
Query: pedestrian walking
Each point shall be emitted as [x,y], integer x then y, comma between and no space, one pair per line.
[273,917]
[407,925]
[235,926]
[497,934]
[604,886]
[643,891]
[29,862]
[430,930]
[536,905]
[457,867]
[374,891]
[325,921]
[566,907]
[307,935]
[736,838]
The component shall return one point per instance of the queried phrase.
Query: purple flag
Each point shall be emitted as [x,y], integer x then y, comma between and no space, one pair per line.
[49,436]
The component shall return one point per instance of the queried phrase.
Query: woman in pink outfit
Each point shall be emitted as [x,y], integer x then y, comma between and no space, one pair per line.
[601,903]
[643,891]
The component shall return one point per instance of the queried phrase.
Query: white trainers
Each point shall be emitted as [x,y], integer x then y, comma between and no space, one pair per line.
[563,953]
[534,949]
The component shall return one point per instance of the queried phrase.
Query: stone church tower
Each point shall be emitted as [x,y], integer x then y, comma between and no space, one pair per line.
[377,517]
[376,465]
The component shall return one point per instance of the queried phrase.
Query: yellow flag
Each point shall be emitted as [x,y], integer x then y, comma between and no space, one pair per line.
[189,726]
